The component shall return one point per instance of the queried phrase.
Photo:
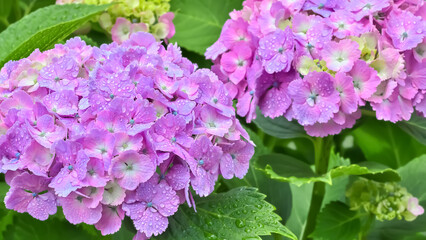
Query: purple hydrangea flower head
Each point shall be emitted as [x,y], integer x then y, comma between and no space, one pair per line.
[86,128]
[314,98]
[276,50]
[30,193]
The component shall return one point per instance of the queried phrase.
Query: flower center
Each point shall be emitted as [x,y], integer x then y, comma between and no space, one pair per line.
[280,50]
[404,36]
[149,204]
[312,99]
[201,162]
[173,139]
[70,167]
[240,63]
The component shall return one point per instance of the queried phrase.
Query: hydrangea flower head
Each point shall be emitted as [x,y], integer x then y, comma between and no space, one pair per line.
[104,122]
[361,53]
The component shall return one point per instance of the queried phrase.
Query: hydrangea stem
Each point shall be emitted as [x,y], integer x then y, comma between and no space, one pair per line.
[322,148]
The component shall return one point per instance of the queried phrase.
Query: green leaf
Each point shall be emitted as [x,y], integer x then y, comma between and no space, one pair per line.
[279,127]
[127,230]
[199,23]
[200,60]
[301,201]
[416,127]
[6,216]
[240,213]
[371,170]
[336,222]
[288,169]
[412,176]
[43,28]
[386,143]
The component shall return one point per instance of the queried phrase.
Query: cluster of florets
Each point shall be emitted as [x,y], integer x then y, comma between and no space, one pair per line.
[127,17]
[386,201]
[118,130]
[319,61]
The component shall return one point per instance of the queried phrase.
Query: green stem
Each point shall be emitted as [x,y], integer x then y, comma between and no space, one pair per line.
[322,148]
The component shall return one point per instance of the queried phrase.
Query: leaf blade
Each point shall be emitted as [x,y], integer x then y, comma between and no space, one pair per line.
[337,222]
[199,23]
[279,127]
[238,214]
